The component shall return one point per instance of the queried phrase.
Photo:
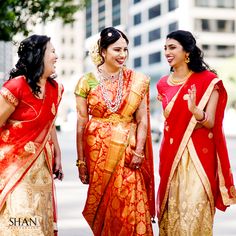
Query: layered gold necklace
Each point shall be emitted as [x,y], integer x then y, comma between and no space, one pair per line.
[179,81]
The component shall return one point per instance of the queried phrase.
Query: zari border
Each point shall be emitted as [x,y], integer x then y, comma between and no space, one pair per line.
[202,174]
[9,96]
[224,191]
[186,138]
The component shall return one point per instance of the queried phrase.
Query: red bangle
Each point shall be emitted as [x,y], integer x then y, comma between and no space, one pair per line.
[204,119]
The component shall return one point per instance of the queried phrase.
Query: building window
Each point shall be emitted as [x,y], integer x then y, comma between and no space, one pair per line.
[137,19]
[88,20]
[136,1]
[172,5]
[137,40]
[137,62]
[154,35]
[154,58]
[205,25]
[201,3]
[173,26]
[215,3]
[154,11]
[116,12]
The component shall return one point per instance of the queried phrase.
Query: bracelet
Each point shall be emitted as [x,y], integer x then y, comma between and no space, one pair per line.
[138,155]
[204,119]
[80,163]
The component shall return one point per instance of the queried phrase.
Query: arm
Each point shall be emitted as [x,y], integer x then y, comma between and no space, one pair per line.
[57,154]
[141,118]
[207,116]
[82,120]
[6,110]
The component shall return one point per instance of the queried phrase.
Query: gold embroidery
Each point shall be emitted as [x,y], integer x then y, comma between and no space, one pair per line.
[233,191]
[185,97]
[17,124]
[9,96]
[53,109]
[30,147]
[2,183]
[5,135]
[171,140]
[205,150]
[2,155]
[210,135]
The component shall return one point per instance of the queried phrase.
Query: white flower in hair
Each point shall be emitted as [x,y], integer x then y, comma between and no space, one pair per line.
[94,54]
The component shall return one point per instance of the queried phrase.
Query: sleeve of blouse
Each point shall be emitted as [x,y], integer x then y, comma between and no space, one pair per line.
[11,91]
[82,88]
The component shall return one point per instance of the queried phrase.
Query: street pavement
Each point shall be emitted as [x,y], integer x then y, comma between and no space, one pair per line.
[71,194]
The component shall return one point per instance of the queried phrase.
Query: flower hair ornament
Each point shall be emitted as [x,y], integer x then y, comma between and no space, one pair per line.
[94,54]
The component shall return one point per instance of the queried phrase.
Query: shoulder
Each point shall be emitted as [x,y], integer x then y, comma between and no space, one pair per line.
[139,76]
[15,83]
[162,81]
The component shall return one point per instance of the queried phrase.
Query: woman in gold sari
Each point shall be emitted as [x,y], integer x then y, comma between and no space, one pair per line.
[29,150]
[195,174]
[113,142]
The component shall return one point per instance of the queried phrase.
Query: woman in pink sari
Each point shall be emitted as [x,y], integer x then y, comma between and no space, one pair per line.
[114,142]
[195,174]
[29,150]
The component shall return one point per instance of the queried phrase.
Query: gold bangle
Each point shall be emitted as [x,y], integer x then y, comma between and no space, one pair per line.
[138,155]
[80,163]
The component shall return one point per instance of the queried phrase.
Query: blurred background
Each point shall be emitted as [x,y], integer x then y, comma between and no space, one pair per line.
[74,27]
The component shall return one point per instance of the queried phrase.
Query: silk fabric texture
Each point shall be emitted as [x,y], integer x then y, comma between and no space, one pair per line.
[188,154]
[120,201]
[25,148]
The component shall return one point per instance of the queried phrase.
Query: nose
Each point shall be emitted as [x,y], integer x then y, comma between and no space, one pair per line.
[123,54]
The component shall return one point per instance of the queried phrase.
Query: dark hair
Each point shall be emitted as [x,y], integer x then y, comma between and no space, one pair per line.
[30,63]
[109,36]
[188,42]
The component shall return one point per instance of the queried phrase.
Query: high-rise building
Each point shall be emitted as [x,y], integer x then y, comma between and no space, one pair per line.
[5,60]
[147,22]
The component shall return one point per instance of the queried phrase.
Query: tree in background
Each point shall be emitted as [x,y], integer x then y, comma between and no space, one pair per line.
[18,16]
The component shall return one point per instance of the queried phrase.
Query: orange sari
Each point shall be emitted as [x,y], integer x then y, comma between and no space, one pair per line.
[120,200]
[195,174]
[25,143]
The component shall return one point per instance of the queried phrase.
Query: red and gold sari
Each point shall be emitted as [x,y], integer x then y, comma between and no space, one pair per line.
[195,174]
[120,200]
[26,156]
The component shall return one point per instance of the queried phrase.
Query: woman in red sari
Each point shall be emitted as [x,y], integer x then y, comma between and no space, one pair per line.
[29,150]
[114,143]
[195,174]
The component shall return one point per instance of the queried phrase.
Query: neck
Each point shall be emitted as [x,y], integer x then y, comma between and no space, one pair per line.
[110,70]
[181,72]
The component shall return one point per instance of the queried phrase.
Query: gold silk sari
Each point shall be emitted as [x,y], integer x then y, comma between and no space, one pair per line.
[120,201]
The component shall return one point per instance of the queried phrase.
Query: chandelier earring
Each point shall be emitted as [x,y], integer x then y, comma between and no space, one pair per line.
[94,54]
[187,60]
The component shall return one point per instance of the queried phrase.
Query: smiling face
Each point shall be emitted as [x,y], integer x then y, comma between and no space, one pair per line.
[174,53]
[116,54]
[50,59]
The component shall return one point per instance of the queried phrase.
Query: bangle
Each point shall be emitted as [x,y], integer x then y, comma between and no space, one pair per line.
[204,119]
[80,163]
[138,155]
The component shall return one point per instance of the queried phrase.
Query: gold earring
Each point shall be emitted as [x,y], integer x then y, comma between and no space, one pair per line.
[187,59]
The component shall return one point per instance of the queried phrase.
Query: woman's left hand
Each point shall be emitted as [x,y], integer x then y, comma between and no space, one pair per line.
[136,161]
[57,169]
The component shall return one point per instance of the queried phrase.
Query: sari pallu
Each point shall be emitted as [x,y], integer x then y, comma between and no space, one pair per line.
[214,168]
[23,141]
[120,201]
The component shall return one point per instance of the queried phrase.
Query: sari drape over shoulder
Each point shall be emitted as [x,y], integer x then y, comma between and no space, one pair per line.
[207,148]
[25,138]
[120,201]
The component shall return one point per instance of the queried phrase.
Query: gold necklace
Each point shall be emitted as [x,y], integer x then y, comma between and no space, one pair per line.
[175,81]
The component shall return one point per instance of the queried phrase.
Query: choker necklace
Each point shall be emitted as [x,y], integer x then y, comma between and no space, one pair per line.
[113,106]
[106,76]
[175,81]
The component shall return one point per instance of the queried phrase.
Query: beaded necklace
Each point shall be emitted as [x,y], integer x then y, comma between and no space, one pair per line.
[113,106]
